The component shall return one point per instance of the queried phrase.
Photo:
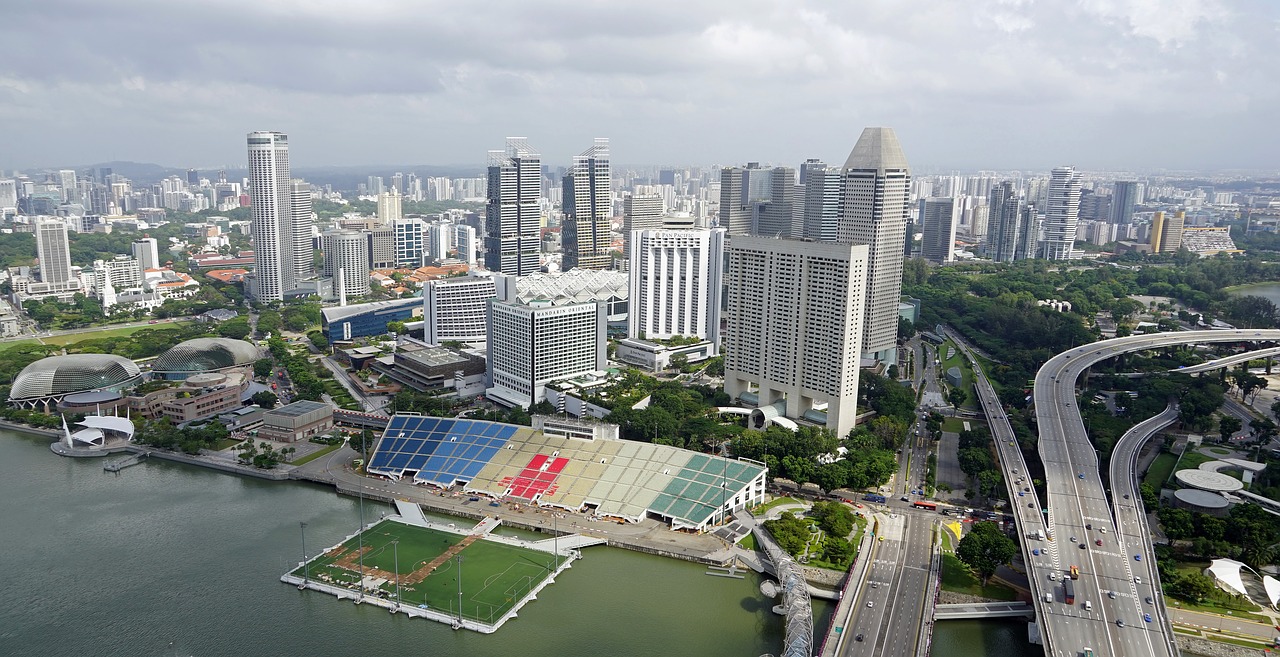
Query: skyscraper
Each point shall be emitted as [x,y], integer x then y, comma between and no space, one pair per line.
[774,217]
[1061,214]
[938,228]
[272,223]
[821,215]
[1123,198]
[300,228]
[640,212]
[67,183]
[389,206]
[346,260]
[875,198]
[675,283]
[1166,232]
[1005,210]
[1028,233]
[512,218]
[535,344]
[53,250]
[145,252]
[795,325]
[410,241]
[588,208]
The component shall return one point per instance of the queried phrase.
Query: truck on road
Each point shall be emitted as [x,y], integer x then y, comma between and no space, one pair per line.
[1069,590]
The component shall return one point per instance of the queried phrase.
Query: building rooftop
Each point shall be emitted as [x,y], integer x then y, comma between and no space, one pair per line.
[342,312]
[298,408]
[877,149]
[433,356]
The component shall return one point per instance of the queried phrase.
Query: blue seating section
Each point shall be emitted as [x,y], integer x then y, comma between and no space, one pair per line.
[440,451]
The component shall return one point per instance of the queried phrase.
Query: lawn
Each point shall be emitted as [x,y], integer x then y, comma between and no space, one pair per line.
[763,508]
[328,449]
[748,542]
[226,443]
[966,373]
[1192,460]
[340,395]
[495,576]
[956,424]
[72,338]
[957,578]
[13,343]
[1160,470]
[1220,451]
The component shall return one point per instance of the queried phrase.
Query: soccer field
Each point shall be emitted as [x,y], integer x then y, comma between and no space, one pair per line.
[495,576]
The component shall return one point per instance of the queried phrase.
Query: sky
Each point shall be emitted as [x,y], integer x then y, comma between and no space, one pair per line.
[1139,85]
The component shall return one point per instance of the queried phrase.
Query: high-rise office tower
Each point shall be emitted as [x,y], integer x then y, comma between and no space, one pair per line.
[775,217]
[381,247]
[675,283]
[1004,212]
[875,209]
[938,229]
[821,215]
[795,325]
[512,240]
[8,193]
[346,251]
[53,250]
[409,241]
[588,208]
[146,253]
[465,243]
[272,223]
[193,178]
[67,183]
[1061,214]
[1028,233]
[1123,198]
[397,183]
[741,191]
[457,309]
[300,228]
[1166,232]
[640,212]
[390,206]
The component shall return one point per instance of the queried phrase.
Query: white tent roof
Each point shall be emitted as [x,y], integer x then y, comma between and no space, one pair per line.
[1272,585]
[88,436]
[1227,573]
[118,424]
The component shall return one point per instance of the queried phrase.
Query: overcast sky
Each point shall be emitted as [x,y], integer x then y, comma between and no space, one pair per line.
[972,84]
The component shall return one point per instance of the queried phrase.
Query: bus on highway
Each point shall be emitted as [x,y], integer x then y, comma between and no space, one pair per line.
[872,497]
[1069,590]
[925,505]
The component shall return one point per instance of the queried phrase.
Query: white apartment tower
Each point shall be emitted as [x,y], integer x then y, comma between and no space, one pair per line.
[464,243]
[53,250]
[532,345]
[874,210]
[675,284]
[588,209]
[8,194]
[346,252]
[390,206]
[300,228]
[1061,214]
[512,241]
[795,311]
[457,309]
[272,223]
[938,228]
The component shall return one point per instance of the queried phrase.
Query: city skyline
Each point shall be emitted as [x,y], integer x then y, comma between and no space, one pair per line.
[1109,86]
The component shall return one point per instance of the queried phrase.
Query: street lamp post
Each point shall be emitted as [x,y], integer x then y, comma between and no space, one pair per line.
[306,574]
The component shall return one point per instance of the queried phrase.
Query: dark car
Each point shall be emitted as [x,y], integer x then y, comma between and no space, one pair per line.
[1082,546]
[857,638]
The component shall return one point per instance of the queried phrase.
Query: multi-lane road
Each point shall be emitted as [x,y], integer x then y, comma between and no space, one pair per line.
[1116,576]
[890,606]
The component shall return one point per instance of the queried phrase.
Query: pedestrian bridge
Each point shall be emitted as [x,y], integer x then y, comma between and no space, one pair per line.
[984,610]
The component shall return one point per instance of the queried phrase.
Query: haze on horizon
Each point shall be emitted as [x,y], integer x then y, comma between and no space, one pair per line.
[985,84]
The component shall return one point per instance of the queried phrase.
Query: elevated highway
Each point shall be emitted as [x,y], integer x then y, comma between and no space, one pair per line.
[984,610]
[1078,508]
[1228,361]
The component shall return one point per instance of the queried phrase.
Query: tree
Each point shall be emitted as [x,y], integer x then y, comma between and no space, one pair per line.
[985,548]
[1229,425]
[236,329]
[265,399]
[396,327]
[263,367]
[957,397]
[1192,587]
[837,550]
[679,362]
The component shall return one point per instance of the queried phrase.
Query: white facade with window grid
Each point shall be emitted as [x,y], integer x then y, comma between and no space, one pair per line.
[532,345]
[675,283]
[457,309]
[795,312]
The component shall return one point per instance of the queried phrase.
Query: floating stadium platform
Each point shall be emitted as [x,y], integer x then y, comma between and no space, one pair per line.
[619,479]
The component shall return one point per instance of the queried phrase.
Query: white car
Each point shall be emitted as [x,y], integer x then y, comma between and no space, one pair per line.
[871,603]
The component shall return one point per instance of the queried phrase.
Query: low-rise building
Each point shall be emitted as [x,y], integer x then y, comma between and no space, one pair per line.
[432,368]
[297,421]
[198,396]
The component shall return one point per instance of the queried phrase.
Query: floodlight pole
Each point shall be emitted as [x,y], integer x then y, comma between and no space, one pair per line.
[395,550]
[360,539]
[306,575]
[459,589]
[555,540]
